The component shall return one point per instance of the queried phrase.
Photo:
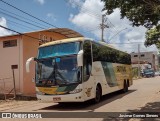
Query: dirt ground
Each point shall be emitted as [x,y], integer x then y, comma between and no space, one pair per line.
[143,96]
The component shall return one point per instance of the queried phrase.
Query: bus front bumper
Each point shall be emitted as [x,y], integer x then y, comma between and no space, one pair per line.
[77,97]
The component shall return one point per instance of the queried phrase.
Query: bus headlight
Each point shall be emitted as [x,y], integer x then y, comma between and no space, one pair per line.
[75,91]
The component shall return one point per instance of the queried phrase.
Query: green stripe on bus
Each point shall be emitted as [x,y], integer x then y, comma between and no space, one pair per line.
[109,74]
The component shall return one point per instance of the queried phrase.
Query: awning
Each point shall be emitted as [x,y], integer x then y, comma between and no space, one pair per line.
[69,33]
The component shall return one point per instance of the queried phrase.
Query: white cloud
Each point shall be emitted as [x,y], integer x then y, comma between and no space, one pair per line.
[40,1]
[51,16]
[89,17]
[3,31]
[74,3]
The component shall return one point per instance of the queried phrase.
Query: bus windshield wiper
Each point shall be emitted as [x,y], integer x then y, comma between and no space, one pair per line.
[52,74]
[61,76]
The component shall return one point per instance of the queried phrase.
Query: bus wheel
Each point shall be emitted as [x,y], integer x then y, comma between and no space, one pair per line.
[125,87]
[98,94]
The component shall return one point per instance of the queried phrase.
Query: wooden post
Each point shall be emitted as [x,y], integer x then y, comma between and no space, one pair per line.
[4,90]
[14,67]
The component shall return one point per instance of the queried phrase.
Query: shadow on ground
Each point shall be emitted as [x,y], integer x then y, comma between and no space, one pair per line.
[152,108]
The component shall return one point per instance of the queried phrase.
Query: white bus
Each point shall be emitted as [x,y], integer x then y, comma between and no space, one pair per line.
[80,69]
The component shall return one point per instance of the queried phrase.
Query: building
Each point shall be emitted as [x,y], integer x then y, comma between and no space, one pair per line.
[144,58]
[16,49]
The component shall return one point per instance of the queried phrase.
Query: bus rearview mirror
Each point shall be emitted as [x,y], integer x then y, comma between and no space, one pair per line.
[80,58]
[28,64]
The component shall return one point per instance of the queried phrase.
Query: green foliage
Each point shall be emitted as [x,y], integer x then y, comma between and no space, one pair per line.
[153,37]
[139,12]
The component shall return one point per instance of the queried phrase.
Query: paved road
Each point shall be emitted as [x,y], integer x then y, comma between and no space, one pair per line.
[143,95]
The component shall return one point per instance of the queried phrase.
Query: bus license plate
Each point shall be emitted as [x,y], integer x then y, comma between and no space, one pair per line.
[56,99]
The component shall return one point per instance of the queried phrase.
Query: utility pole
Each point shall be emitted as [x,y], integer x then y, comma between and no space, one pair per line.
[139,61]
[103,26]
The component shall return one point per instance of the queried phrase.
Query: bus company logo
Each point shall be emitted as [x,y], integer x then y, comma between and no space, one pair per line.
[6,115]
[121,69]
[88,92]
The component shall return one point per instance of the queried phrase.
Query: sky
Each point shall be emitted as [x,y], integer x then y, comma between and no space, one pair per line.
[83,16]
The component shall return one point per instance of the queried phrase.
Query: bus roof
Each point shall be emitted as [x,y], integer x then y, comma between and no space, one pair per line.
[73,40]
[110,46]
[78,39]
[63,41]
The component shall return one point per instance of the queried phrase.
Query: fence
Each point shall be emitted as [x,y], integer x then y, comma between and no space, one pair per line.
[6,86]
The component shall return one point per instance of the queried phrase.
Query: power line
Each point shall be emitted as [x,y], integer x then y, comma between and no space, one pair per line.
[85,11]
[22,20]
[116,35]
[92,14]
[18,24]
[22,17]
[19,32]
[40,39]
[97,28]
[28,14]
[110,24]
[89,28]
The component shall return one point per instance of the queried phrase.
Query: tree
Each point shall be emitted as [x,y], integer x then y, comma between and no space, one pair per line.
[139,12]
[153,37]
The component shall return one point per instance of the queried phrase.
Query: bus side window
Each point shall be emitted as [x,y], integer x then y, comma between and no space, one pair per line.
[87,60]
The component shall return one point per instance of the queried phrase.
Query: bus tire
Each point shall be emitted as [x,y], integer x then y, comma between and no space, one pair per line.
[98,94]
[128,82]
[125,86]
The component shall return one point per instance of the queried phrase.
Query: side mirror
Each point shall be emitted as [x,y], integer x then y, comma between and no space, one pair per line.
[28,64]
[80,58]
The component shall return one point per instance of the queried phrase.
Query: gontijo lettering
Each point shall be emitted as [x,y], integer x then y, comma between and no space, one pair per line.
[121,69]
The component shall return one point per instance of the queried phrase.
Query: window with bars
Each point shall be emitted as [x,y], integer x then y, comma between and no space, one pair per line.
[9,43]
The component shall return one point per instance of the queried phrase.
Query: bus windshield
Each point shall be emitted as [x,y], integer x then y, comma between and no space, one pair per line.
[148,70]
[58,71]
[59,50]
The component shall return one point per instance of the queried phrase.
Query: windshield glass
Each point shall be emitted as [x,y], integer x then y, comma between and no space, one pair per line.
[59,50]
[148,70]
[58,71]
